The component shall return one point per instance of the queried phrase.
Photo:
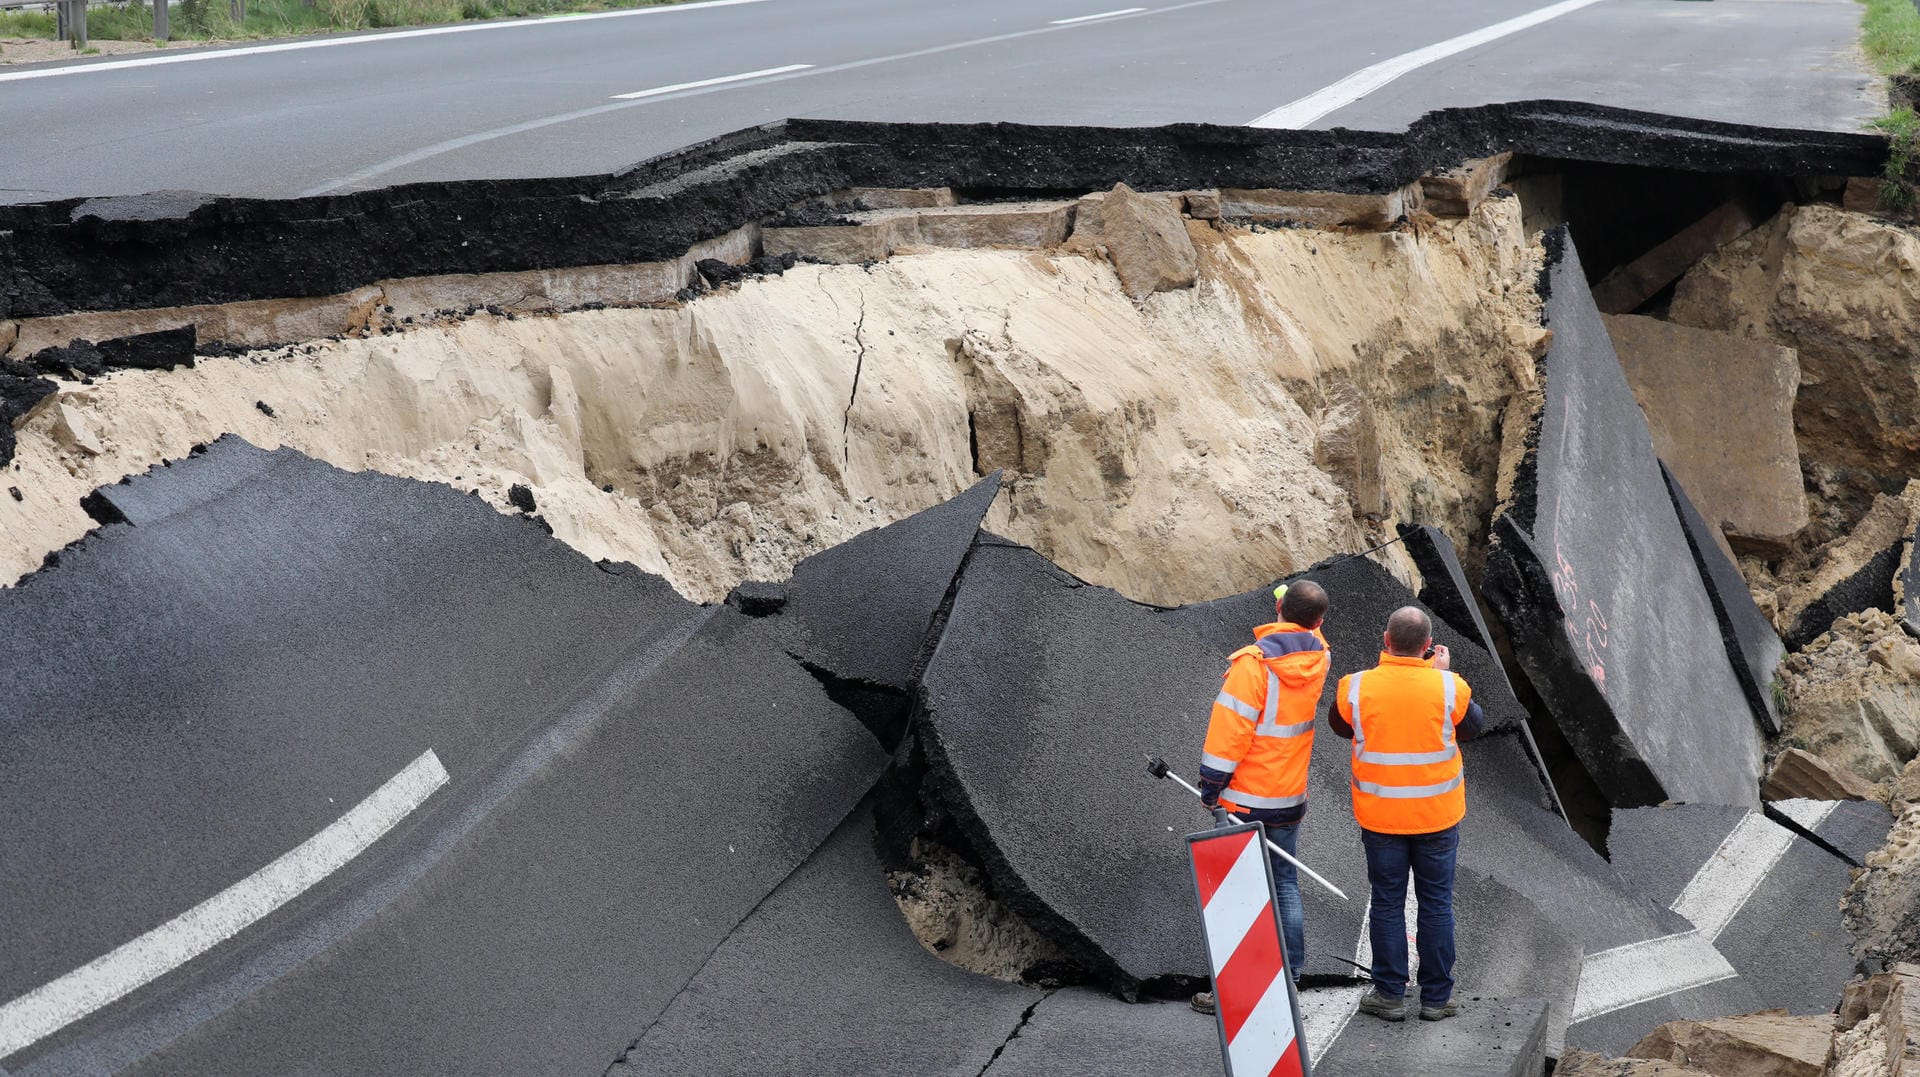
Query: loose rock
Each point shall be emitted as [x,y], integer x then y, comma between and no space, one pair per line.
[1148,243]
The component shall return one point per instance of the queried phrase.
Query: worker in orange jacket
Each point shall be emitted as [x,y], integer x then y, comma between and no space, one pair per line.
[1260,740]
[1406,718]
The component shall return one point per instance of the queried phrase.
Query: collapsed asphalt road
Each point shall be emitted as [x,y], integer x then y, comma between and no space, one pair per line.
[344,750]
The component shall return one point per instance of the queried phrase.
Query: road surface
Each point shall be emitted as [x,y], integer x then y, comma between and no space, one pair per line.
[581,94]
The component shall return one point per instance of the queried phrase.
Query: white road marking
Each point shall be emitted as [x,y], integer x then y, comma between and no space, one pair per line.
[1307,109]
[1327,1013]
[359,39]
[1727,881]
[722,80]
[1101,15]
[391,164]
[55,1005]
[1643,971]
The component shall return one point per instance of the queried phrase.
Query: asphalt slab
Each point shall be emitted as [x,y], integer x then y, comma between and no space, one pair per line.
[1753,646]
[1591,573]
[194,696]
[826,977]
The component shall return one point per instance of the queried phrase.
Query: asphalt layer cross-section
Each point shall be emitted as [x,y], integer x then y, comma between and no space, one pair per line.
[540,97]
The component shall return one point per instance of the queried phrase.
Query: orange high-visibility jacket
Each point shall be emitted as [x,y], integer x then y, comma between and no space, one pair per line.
[1261,730]
[1407,776]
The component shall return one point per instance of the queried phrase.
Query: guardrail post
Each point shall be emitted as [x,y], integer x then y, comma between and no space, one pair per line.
[160,20]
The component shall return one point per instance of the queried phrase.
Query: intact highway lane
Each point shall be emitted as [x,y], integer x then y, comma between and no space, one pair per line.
[592,93]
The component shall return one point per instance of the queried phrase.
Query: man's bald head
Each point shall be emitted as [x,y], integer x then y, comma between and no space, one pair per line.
[1304,604]
[1408,631]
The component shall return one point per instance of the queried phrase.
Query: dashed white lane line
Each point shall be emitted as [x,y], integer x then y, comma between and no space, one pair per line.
[1643,971]
[392,164]
[1101,15]
[359,39]
[1307,109]
[721,81]
[53,1006]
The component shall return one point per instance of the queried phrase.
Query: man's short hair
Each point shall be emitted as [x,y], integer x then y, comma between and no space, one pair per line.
[1408,631]
[1304,604]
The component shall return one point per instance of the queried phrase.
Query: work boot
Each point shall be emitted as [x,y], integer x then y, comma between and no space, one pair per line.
[1202,1002]
[1439,1013]
[1386,1009]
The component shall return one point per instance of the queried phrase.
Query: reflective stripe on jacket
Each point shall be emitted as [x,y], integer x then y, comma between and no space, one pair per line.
[1260,734]
[1407,774]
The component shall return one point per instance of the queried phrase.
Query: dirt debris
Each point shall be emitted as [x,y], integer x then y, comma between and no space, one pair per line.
[1853,695]
[1802,775]
[1147,242]
[1881,908]
[1578,1063]
[945,901]
[1769,1044]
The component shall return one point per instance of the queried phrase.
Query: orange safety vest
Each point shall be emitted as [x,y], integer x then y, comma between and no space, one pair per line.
[1407,776]
[1261,729]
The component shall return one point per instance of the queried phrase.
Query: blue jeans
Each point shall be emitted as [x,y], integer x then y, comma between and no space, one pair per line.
[1431,859]
[1286,885]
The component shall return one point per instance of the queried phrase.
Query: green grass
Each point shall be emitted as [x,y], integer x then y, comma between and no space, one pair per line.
[1902,129]
[1891,35]
[210,19]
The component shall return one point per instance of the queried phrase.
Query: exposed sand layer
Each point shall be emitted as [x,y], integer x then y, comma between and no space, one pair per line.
[1166,448]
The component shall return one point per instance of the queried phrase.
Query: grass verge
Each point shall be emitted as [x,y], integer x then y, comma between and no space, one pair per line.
[211,19]
[1890,32]
[1902,128]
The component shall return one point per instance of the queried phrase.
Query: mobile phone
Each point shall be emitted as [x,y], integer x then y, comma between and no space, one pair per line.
[1429,653]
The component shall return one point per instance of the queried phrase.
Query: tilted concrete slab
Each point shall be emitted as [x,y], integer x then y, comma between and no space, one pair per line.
[1044,696]
[1491,1037]
[1443,582]
[1591,574]
[859,615]
[1720,408]
[1767,899]
[1869,587]
[1444,590]
[236,676]
[826,977]
[1752,645]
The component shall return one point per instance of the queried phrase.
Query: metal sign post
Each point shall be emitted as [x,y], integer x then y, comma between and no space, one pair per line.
[1255,1007]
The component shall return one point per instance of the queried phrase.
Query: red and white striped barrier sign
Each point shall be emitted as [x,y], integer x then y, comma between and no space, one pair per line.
[1254,1003]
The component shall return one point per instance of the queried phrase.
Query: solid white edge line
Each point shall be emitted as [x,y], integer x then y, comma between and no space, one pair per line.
[1305,110]
[722,80]
[1101,15]
[55,1005]
[361,39]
